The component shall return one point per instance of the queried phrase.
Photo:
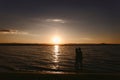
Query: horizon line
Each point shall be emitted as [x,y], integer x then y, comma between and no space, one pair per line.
[59,44]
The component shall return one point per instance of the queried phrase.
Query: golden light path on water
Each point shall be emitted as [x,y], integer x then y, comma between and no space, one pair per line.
[55,60]
[55,57]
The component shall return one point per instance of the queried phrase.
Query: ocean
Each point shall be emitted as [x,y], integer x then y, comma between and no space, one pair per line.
[99,58]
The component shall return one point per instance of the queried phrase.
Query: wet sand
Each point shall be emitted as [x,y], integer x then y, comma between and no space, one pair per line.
[59,76]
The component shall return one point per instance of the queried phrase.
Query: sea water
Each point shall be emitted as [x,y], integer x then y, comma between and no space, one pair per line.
[99,58]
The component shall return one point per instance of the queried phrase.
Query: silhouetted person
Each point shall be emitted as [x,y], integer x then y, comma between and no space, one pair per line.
[78,59]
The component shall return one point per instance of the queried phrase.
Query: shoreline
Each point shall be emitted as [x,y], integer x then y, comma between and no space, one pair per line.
[58,76]
[67,44]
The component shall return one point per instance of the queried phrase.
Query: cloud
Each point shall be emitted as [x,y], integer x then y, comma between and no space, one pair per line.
[56,20]
[11,31]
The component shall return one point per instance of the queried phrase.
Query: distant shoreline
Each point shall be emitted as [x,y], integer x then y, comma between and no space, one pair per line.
[35,44]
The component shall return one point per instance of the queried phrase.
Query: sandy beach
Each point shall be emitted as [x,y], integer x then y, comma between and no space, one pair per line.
[58,76]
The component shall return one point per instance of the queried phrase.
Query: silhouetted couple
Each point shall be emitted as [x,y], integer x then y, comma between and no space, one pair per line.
[78,59]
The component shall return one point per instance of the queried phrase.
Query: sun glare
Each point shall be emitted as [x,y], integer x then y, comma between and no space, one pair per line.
[56,40]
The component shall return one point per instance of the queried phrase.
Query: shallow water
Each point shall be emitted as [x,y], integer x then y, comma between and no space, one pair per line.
[99,58]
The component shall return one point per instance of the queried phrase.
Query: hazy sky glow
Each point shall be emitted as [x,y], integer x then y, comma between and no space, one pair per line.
[74,21]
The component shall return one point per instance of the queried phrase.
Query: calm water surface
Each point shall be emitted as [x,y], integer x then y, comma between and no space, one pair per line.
[105,58]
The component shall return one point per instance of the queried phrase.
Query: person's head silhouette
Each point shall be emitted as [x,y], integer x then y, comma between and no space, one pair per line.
[79,49]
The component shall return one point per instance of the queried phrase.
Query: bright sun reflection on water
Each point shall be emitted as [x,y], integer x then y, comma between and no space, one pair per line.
[55,57]
[56,49]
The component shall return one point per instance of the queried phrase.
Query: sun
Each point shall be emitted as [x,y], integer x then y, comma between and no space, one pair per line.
[56,40]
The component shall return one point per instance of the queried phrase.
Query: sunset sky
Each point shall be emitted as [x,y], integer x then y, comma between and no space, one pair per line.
[73,21]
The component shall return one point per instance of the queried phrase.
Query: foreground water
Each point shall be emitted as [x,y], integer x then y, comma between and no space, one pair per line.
[99,58]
